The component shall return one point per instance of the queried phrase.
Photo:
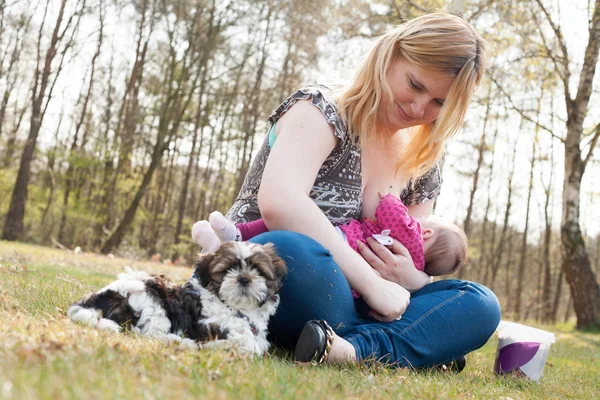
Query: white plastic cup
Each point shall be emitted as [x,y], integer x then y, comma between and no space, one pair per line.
[522,350]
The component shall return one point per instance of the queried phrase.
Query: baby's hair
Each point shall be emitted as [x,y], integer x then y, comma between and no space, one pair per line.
[448,252]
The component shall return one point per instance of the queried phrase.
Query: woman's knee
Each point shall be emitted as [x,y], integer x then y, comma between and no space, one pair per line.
[478,304]
[485,307]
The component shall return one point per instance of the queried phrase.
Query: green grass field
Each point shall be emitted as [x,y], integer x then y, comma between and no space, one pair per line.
[44,356]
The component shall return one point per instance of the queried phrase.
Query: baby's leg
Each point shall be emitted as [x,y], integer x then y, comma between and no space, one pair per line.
[224,229]
[204,236]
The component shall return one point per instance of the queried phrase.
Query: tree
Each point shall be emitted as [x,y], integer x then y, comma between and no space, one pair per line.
[73,151]
[582,281]
[41,94]
[180,82]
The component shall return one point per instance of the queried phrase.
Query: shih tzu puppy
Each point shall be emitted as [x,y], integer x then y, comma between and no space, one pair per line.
[228,300]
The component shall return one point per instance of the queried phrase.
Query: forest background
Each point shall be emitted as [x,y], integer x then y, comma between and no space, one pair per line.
[124,122]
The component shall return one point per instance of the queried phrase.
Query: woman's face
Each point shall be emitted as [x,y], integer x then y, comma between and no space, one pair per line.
[418,95]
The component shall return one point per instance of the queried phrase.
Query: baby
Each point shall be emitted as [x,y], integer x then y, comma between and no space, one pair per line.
[437,247]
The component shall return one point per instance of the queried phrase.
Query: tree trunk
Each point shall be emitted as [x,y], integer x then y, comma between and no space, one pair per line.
[13,227]
[584,287]
[523,258]
[198,123]
[71,170]
[115,239]
[482,262]
[576,263]
[11,143]
[501,242]
[129,111]
[480,158]
[548,313]
[251,108]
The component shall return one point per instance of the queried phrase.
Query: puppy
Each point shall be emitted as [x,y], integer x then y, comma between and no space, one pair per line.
[228,300]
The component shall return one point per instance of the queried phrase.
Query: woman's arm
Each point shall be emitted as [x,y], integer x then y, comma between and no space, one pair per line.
[304,141]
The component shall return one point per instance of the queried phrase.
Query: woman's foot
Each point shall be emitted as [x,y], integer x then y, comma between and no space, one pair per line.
[318,342]
[341,351]
[204,236]
[455,366]
[223,228]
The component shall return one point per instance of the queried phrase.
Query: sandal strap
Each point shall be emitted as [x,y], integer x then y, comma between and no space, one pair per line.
[329,334]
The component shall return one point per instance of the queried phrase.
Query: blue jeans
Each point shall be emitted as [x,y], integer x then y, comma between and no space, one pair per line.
[445,320]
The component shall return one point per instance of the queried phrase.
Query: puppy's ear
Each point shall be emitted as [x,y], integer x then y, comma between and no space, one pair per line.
[202,269]
[279,267]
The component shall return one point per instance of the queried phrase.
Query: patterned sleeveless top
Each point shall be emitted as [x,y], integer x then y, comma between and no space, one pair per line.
[338,187]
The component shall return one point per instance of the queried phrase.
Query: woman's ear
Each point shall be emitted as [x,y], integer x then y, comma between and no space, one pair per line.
[427,233]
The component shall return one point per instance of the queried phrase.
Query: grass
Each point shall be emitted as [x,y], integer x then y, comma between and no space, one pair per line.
[44,356]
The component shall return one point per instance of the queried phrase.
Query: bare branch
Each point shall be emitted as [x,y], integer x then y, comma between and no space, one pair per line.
[522,113]
[557,32]
[418,7]
[593,143]
[588,70]
[481,9]
[561,65]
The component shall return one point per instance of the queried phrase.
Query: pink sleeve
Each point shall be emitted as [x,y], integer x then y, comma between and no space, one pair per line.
[354,232]
[253,228]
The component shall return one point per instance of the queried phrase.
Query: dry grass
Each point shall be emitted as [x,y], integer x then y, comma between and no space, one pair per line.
[43,355]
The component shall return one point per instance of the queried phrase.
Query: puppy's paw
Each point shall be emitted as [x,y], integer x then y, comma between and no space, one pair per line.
[109,325]
[189,344]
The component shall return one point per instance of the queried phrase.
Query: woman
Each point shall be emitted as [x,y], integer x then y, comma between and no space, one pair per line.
[325,159]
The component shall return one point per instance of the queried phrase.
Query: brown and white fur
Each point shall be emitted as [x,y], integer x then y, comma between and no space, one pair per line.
[228,300]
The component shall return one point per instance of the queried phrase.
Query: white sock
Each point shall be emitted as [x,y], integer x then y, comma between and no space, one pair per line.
[204,236]
[223,228]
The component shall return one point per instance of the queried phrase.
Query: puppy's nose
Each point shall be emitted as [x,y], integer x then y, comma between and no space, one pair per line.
[244,280]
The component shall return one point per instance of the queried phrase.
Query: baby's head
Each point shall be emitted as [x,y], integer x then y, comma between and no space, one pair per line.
[444,244]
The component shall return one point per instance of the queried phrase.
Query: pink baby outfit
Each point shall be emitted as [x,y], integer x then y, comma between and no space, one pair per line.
[391,214]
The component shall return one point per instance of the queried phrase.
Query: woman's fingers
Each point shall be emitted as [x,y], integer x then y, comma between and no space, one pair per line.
[375,315]
[369,256]
[382,252]
[398,248]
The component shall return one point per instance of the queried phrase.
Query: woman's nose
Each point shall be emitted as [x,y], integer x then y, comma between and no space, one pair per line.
[418,107]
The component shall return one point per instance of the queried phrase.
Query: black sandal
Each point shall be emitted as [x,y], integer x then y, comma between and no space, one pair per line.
[455,366]
[314,343]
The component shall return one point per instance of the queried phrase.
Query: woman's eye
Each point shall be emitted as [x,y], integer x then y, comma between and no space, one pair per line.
[414,85]
[440,103]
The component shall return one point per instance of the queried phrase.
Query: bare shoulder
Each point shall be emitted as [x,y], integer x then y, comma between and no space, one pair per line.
[305,117]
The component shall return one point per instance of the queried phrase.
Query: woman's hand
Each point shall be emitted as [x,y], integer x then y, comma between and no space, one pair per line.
[393,264]
[387,300]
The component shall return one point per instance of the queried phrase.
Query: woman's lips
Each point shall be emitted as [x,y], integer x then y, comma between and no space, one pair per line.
[403,114]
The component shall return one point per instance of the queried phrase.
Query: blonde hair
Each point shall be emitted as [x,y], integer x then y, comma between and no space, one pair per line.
[438,42]
[448,252]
